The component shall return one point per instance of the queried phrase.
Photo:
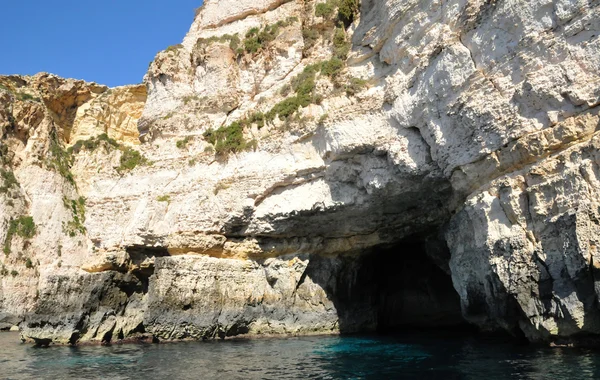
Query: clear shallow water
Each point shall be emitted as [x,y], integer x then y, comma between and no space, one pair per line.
[407,356]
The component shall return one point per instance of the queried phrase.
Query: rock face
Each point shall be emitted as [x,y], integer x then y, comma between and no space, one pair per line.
[314,167]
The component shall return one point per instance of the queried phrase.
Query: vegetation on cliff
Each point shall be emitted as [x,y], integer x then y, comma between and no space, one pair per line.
[59,159]
[23,226]
[94,143]
[255,39]
[76,225]
[182,144]
[164,198]
[8,180]
[346,10]
[301,92]
[130,158]
[229,139]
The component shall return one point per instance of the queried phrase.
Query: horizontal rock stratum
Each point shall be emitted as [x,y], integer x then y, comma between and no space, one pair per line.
[307,167]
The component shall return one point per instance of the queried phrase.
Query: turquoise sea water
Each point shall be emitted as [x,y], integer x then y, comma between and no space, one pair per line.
[404,356]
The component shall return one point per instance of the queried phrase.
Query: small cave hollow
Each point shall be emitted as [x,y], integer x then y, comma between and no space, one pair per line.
[143,258]
[398,287]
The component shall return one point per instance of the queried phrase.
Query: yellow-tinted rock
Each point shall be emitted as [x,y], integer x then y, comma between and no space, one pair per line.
[116,112]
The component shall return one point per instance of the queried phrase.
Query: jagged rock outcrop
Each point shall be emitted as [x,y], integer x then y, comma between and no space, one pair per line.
[286,148]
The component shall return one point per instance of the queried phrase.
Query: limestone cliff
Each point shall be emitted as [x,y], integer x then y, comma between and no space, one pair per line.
[314,166]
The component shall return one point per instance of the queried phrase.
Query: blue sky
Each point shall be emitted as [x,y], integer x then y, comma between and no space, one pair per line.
[106,41]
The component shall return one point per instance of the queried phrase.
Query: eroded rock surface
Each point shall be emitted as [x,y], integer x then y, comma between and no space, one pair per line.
[277,159]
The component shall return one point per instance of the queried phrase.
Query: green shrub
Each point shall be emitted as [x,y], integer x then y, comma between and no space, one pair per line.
[268,34]
[284,109]
[81,144]
[130,158]
[257,118]
[181,144]
[355,85]
[23,227]
[325,9]
[303,85]
[60,160]
[332,68]
[252,45]
[347,11]
[257,39]
[310,36]
[14,273]
[229,139]
[76,225]
[4,158]
[304,82]
[305,91]
[202,42]
[210,136]
[93,143]
[341,47]
[252,32]
[27,97]
[285,90]
[234,42]
[28,263]
[8,179]
[232,140]
[26,227]
[164,198]
[174,48]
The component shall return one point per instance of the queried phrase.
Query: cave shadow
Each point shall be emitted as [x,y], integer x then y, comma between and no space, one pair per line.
[389,289]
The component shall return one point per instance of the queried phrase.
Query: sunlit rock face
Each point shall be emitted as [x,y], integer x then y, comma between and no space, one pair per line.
[428,163]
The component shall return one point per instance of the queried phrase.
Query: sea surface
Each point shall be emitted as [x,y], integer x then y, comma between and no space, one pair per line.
[403,356]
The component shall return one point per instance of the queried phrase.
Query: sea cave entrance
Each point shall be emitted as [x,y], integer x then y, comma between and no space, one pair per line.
[401,286]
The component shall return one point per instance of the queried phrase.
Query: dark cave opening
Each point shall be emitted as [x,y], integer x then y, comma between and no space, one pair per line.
[142,257]
[393,288]
[412,289]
